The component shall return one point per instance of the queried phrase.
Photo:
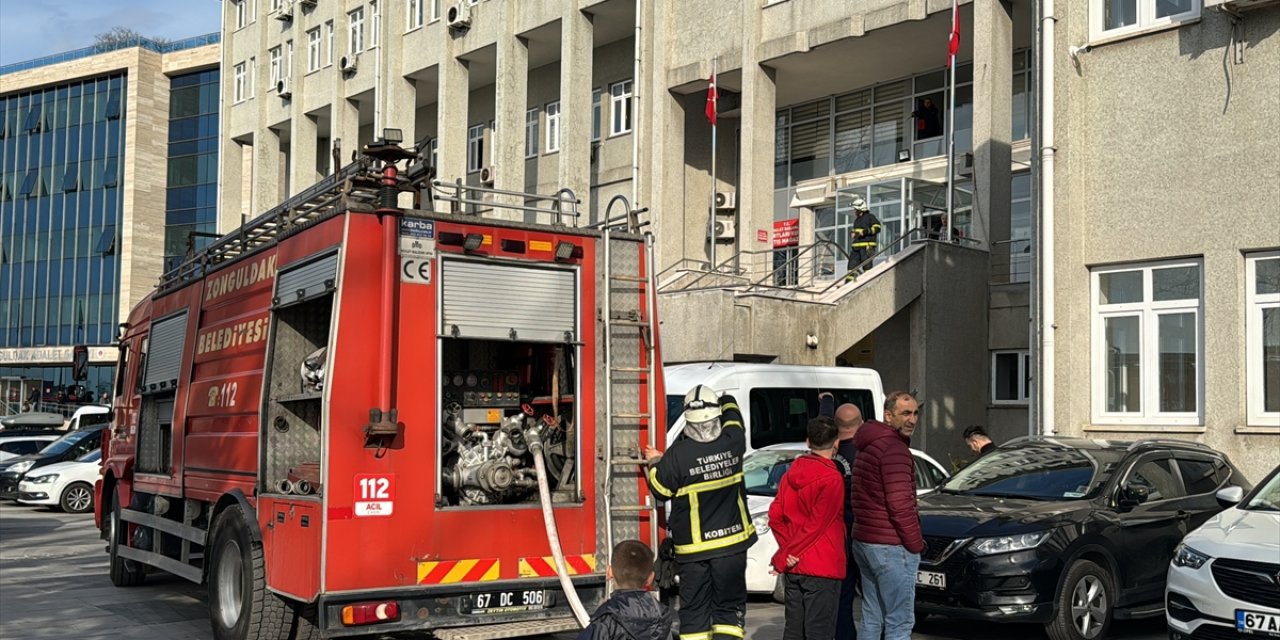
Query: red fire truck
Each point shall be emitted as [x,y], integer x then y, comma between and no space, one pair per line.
[349,418]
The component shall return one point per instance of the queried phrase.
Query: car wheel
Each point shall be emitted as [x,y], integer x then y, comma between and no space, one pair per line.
[240,605]
[779,591]
[124,573]
[1084,605]
[77,498]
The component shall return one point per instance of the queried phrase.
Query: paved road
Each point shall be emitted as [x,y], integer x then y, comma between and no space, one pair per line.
[53,585]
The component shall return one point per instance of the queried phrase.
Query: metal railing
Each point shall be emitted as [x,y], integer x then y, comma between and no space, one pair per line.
[813,291]
[1011,261]
[85,52]
[470,199]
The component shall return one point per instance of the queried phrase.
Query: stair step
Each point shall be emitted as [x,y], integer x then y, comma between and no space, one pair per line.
[631,416]
[641,279]
[630,369]
[631,508]
[629,323]
[625,461]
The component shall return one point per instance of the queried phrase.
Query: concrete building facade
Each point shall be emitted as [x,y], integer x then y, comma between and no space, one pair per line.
[84,171]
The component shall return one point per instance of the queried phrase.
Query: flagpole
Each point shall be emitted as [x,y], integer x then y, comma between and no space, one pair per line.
[951,121]
[711,222]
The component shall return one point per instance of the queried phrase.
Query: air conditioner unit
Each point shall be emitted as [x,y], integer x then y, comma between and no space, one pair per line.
[726,230]
[283,89]
[964,164]
[348,63]
[487,175]
[310,4]
[458,17]
[285,13]
[726,200]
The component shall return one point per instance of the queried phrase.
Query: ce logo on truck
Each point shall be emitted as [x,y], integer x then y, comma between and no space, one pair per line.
[415,271]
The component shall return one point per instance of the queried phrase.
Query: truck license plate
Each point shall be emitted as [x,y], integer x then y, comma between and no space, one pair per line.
[931,579]
[1255,622]
[512,601]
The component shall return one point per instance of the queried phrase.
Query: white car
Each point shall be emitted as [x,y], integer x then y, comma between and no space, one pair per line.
[1225,576]
[763,469]
[14,446]
[67,485]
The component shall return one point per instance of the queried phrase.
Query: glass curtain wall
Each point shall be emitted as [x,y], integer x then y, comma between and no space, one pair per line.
[193,165]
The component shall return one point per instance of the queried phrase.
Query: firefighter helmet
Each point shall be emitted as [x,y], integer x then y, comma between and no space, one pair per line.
[701,405]
[857,203]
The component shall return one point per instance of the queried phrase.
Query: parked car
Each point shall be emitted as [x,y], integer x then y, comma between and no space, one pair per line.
[66,485]
[34,420]
[69,447]
[14,446]
[763,470]
[1225,576]
[1067,532]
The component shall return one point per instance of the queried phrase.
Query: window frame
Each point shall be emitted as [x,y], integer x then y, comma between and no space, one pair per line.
[331,33]
[242,11]
[597,114]
[1255,304]
[414,15]
[1148,312]
[239,80]
[375,23]
[275,62]
[355,31]
[313,49]
[435,10]
[475,147]
[553,127]
[620,108]
[1144,22]
[1159,456]
[531,121]
[1023,373]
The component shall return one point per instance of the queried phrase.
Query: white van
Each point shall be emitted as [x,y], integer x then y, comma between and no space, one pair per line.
[776,400]
[89,415]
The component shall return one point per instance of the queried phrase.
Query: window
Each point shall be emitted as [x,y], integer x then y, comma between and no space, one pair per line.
[355,31]
[1108,18]
[1158,479]
[241,75]
[531,133]
[1262,340]
[596,114]
[329,30]
[1202,475]
[276,5]
[414,19]
[276,63]
[253,76]
[620,107]
[242,11]
[1019,246]
[782,414]
[475,148]
[434,147]
[435,10]
[1147,344]
[1010,377]
[288,58]
[927,475]
[375,24]
[313,49]
[553,126]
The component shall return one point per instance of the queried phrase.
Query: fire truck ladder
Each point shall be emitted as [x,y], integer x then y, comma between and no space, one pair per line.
[630,360]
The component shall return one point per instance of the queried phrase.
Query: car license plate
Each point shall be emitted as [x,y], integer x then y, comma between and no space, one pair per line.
[512,601]
[1255,622]
[931,579]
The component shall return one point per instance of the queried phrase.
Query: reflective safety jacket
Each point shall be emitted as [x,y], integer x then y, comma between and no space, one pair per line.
[704,482]
[865,228]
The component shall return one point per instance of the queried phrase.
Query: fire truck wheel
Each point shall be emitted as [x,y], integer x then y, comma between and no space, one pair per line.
[240,605]
[124,573]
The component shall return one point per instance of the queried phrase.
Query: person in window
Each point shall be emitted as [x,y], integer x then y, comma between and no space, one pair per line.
[978,440]
[928,119]
[862,237]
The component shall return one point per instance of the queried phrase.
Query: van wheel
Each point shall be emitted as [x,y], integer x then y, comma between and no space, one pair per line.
[1084,606]
[779,591]
[77,498]
[124,573]
[240,605]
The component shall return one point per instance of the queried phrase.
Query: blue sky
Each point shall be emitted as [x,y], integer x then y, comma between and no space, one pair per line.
[35,28]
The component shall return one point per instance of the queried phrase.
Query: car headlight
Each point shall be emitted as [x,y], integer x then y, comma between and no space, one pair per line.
[43,479]
[22,467]
[761,522]
[1185,556]
[1008,544]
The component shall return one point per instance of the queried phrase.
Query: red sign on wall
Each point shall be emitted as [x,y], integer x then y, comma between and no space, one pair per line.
[786,233]
[375,494]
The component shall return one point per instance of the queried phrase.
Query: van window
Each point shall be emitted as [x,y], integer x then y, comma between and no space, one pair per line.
[782,414]
[90,419]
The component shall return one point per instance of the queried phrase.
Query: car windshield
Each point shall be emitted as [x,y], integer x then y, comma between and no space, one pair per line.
[763,470]
[92,456]
[1036,473]
[64,443]
[1267,497]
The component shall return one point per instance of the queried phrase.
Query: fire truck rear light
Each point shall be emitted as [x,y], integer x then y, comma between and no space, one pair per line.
[354,615]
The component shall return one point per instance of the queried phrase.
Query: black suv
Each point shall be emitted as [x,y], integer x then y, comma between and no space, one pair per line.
[1064,531]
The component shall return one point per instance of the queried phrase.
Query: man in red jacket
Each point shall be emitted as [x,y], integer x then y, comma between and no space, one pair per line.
[886,531]
[807,518]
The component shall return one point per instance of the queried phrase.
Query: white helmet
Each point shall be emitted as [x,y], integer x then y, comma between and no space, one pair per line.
[701,405]
[858,203]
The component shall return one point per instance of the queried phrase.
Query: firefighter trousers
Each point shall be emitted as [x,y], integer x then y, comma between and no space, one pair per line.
[713,598]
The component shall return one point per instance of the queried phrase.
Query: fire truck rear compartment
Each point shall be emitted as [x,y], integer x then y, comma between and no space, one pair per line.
[293,420]
[494,394]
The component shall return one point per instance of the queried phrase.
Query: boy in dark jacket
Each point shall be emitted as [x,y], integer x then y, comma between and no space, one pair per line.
[807,518]
[631,613]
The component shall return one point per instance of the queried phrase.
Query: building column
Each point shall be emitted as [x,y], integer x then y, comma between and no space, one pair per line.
[302,153]
[663,117]
[755,175]
[577,44]
[231,202]
[268,180]
[399,110]
[511,97]
[452,99]
[992,123]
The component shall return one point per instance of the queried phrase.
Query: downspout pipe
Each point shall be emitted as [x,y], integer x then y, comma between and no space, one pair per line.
[1048,318]
[636,94]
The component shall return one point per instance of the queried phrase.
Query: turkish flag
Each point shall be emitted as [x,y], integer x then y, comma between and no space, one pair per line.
[712,95]
[953,47]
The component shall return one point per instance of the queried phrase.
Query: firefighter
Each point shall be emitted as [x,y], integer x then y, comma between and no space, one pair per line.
[701,474]
[862,237]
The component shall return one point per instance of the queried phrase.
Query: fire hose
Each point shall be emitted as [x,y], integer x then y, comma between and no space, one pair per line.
[553,535]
